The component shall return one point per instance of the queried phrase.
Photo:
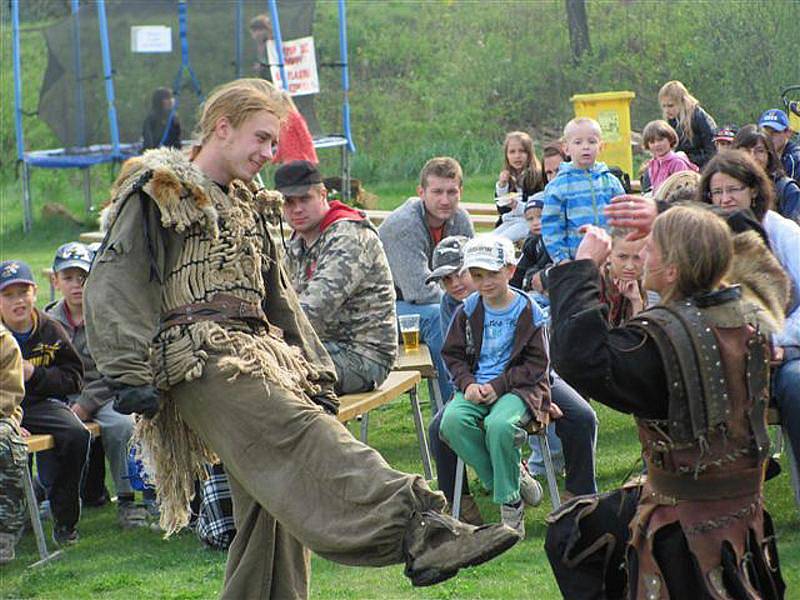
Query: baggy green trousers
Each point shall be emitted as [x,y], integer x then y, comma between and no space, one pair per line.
[299,480]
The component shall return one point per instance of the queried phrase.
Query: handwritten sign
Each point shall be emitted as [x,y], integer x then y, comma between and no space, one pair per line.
[149,39]
[300,62]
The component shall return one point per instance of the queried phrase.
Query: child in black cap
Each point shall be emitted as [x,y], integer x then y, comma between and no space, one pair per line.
[52,370]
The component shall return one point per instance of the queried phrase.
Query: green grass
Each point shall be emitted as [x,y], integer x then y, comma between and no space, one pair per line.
[111,563]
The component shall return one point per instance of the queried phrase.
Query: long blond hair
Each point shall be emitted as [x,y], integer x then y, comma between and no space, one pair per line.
[698,244]
[674,90]
[237,100]
[531,178]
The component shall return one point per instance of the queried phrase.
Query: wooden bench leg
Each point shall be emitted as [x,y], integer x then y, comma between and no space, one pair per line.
[420,427]
[550,472]
[364,427]
[793,472]
[461,471]
[36,522]
[435,393]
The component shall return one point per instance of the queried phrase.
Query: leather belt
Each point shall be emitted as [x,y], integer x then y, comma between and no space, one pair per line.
[222,307]
[735,484]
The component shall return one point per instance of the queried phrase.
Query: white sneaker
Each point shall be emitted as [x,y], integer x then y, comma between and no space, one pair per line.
[514,517]
[530,489]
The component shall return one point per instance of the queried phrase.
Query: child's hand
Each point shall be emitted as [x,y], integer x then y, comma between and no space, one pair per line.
[27,369]
[503,178]
[473,393]
[488,393]
[595,245]
[80,412]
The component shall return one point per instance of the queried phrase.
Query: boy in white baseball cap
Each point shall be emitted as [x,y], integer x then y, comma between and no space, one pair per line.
[497,358]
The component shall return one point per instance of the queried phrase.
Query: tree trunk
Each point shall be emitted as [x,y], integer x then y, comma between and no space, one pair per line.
[578,28]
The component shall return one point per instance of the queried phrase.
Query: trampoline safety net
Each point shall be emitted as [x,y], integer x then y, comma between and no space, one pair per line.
[73,99]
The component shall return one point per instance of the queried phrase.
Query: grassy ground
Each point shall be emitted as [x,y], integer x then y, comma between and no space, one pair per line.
[110,563]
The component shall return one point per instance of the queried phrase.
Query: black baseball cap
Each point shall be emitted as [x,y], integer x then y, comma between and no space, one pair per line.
[15,271]
[447,257]
[296,178]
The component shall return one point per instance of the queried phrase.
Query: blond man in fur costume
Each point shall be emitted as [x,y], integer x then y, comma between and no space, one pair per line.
[193,321]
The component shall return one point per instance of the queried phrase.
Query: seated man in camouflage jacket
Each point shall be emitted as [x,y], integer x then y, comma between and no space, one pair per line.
[340,273]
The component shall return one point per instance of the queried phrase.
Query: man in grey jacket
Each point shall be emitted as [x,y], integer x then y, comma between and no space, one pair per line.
[409,236]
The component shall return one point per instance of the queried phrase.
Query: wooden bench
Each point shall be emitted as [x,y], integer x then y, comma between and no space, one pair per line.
[420,360]
[40,443]
[396,384]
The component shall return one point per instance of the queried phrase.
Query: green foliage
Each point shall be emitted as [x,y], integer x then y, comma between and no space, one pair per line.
[446,77]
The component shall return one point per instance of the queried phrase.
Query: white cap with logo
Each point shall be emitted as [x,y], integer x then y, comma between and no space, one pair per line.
[490,252]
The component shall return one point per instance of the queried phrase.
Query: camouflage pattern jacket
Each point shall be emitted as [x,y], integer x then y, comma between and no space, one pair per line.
[345,286]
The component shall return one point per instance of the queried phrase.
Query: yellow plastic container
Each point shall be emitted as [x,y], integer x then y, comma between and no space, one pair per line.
[794,122]
[613,111]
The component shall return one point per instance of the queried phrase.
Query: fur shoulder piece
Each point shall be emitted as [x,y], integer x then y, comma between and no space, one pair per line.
[181,191]
[268,203]
[765,285]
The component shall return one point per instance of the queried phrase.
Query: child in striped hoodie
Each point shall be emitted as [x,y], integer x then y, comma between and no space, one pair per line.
[579,192]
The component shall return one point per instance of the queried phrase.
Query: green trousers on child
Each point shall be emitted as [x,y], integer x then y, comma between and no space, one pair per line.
[489,439]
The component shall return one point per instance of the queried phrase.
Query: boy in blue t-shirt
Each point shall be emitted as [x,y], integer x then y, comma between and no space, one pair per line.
[498,362]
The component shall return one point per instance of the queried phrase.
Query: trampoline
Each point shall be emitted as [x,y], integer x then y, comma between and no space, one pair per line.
[107,56]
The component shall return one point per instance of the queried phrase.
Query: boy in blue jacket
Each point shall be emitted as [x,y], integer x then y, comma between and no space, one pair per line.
[580,191]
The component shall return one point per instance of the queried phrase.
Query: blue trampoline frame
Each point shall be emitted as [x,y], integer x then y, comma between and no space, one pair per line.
[84,157]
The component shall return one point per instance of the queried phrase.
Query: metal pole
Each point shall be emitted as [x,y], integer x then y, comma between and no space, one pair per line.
[276,33]
[109,77]
[27,209]
[351,147]
[238,38]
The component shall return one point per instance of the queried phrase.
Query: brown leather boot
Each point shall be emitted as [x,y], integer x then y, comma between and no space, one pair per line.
[436,546]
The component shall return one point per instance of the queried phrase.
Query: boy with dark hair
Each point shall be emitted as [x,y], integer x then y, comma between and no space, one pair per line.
[534,256]
[52,371]
[70,269]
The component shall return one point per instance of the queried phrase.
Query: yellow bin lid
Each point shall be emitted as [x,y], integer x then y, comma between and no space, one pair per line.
[601,96]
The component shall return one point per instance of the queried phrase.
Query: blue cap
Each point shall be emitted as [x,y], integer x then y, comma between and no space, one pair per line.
[15,271]
[72,254]
[535,201]
[774,118]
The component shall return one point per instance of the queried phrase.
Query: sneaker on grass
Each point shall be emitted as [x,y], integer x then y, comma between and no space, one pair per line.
[529,488]
[129,515]
[64,535]
[513,516]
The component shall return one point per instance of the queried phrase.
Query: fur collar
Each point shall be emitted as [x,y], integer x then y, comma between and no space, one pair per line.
[183,193]
[765,285]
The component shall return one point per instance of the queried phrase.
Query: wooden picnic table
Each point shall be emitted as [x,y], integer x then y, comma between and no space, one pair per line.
[420,360]
[396,384]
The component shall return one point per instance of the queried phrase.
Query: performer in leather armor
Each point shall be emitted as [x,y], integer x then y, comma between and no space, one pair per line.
[193,321]
[694,373]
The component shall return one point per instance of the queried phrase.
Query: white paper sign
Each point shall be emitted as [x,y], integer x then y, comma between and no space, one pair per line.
[151,38]
[300,60]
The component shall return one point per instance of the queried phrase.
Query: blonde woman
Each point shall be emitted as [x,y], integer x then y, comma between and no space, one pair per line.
[694,126]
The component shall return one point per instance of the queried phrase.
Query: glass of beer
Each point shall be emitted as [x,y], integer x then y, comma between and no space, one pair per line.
[409,328]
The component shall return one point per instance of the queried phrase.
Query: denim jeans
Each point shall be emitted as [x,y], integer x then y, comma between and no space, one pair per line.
[786,392]
[430,332]
[577,431]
